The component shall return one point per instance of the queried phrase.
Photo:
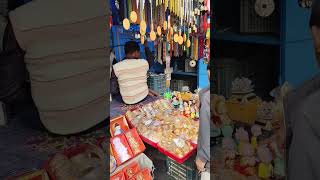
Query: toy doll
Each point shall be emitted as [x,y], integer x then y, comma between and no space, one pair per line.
[117,129]
[220,111]
[279,163]
[247,159]
[175,102]
[256,131]
[265,168]
[228,146]
[229,151]
[193,113]
[197,112]
[186,109]
[242,137]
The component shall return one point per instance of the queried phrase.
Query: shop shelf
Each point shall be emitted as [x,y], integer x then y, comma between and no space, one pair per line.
[245,38]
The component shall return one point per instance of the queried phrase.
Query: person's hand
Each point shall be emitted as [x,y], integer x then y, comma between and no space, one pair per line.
[200,165]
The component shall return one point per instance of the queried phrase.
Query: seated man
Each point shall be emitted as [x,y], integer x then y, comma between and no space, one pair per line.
[130,75]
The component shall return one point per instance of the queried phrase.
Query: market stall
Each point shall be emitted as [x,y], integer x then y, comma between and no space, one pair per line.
[173,37]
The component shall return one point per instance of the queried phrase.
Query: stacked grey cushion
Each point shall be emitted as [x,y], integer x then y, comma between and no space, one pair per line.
[66,56]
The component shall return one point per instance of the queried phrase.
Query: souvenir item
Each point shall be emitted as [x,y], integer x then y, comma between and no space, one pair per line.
[242,137]
[118,126]
[176,38]
[153,35]
[192,63]
[279,163]
[265,167]
[118,176]
[121,149]
[188,43]
[159,31]
[131,170]
[197,112]
[135,142]
[220,111]
[229,150]
[242,85]
[165,25]
[193,113]
[247,158]
[113,164]
[142,175]
[175,102]
[133,17]
[126,24]
[243,107]
[256,131]
[264,8]
[62,167]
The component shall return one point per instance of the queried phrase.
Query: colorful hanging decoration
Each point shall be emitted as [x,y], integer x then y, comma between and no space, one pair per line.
[126,24]
[133,16]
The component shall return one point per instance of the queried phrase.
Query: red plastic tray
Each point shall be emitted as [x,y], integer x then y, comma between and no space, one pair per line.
[175,158]
[148,141]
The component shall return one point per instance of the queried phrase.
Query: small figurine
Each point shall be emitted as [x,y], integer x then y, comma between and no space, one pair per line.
[247,155]
[190,104]
[175,102]
[186,109]
[229,150]
[220,111]
[279,163]
[193,113]
[242,137]
[247,159]
[256,131]
[181,108]
[268,126]
[265,168]
[117,129]
[197,112]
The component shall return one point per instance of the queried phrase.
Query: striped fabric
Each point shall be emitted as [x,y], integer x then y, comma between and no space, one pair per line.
[132,79]
[66,56]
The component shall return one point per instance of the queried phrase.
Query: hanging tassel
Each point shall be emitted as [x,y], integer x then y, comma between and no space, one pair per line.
[159,52]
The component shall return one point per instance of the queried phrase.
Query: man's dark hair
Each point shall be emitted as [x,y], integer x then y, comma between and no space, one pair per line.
[315,14]
[131,46]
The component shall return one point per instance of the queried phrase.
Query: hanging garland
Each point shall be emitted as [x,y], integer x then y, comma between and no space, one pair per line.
[176,26]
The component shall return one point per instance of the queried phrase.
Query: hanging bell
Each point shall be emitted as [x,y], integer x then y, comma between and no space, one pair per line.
[184,37]
[171,31]
[133,16]
[143,26]
[165,25]
[176,38]
[180,40]
[126,24]
[208,34]
[188,43]
[159,31]
[153,35]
